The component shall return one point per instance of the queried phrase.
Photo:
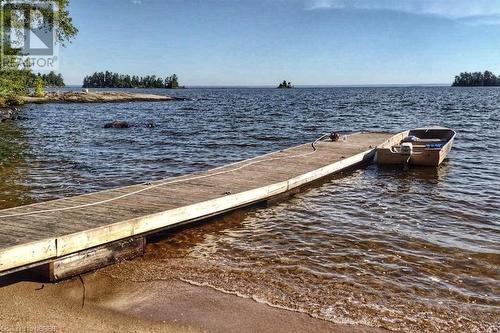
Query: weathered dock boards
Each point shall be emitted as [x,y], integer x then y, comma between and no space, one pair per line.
[53,230]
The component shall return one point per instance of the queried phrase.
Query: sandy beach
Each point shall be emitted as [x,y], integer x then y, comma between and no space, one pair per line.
[112,305]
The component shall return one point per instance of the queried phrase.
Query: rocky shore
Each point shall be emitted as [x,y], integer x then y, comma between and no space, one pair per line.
[8,113]
[97,97]
[11,112]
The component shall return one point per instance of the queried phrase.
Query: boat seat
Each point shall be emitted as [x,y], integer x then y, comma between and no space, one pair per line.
[431,140]
[428,141]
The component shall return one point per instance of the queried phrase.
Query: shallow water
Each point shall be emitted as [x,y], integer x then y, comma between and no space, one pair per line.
[413,250]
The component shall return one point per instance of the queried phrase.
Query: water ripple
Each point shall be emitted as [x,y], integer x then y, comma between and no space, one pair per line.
[413,251]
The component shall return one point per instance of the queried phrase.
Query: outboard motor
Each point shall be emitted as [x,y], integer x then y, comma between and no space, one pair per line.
[406,151]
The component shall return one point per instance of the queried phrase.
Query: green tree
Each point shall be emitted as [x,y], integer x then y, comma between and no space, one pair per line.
[39,87]
[16,82]
[174,82]
[53,80]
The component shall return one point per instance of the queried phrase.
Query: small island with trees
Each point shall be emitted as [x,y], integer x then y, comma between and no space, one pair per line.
[24,86]
[476,79]
[285,85]
[52,80]
[114,80]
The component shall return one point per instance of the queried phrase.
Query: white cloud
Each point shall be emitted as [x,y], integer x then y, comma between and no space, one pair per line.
[466,11]
[136,2]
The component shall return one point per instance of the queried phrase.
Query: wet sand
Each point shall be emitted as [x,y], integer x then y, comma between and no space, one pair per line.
[112,305]
[24,307]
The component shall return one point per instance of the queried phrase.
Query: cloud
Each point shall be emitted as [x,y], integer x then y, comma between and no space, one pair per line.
[472,12]
[136,2]
[480,20]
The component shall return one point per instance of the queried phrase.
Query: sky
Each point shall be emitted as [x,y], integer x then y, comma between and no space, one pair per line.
[263,42]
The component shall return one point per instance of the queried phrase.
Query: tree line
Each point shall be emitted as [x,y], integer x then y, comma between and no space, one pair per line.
[51,80]
[476,79]
[115,80]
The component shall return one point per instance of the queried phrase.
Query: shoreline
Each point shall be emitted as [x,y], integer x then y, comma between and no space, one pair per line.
[10,112]
[98,97]
[117,304]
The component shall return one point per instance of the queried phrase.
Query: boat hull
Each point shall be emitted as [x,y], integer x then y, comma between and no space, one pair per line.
[422,156]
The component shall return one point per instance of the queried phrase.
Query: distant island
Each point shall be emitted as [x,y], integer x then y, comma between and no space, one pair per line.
[285,85]
[476,79]
[50,80]
[114,80]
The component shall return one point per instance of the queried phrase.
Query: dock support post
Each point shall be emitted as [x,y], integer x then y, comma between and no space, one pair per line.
[94,258]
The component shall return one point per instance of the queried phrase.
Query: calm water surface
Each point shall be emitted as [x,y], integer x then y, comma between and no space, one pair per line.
[415,250]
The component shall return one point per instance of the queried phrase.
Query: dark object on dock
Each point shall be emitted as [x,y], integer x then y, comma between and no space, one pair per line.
[335,136]
[117,124]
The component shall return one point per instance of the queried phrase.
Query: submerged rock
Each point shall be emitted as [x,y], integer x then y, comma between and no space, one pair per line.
[117,124]
[9,113]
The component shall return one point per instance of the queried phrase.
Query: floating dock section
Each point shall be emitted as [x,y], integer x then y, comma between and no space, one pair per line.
[69,236]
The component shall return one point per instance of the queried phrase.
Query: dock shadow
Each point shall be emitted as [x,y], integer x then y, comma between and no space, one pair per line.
[30,275]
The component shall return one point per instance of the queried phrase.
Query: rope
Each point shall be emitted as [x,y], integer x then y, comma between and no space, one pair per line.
[83,291]
[313,144]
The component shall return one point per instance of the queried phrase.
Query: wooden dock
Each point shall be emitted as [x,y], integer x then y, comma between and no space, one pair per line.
[76,234]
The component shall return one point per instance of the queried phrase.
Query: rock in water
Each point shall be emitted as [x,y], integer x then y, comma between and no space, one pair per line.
[8,114]
[117,124]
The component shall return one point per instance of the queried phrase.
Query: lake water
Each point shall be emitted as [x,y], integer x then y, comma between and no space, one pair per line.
[415,250]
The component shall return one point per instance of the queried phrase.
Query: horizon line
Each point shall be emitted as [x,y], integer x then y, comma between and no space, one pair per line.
[297,85]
